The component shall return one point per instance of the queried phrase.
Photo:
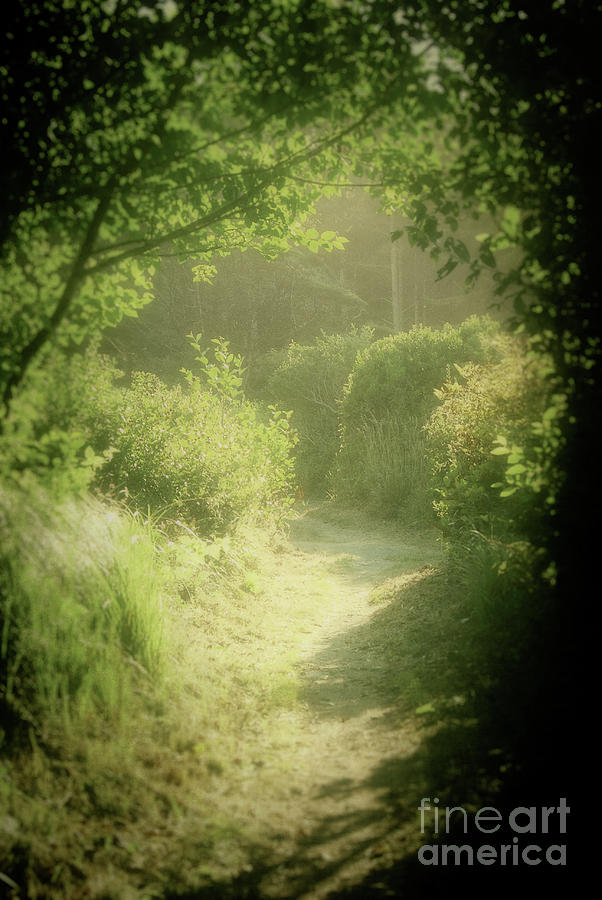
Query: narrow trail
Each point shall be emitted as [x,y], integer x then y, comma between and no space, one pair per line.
[337,781]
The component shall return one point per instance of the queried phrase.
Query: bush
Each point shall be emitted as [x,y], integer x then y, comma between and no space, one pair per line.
[500,584]
[478,406]
[80,607]
[387,400]
[309,381]
[493,443]
[200,452]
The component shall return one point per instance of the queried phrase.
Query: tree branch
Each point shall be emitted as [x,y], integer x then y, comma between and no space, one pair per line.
[350,184]
[76,276]
[226,209]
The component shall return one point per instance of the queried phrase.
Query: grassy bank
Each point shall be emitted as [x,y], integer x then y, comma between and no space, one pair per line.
[140,670]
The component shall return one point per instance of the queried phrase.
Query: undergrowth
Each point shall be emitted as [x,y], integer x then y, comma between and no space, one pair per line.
[385,403]
[127,695]
[81,608]
[141,645]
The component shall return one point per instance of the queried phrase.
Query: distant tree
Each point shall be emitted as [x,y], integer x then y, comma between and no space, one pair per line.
[257,304]
[261,305]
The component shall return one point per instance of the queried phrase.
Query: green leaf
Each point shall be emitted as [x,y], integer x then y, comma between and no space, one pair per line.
[511,220]
[487,257]
[462,251]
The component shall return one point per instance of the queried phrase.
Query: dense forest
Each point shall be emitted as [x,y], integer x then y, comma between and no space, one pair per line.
[298,488]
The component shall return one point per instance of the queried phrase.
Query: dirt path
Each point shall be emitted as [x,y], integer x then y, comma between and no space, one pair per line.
[323,684]
[335,787]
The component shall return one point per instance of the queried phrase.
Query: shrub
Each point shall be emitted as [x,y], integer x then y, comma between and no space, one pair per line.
[201,452]
[387,400]
[478,406]
[309,381]
[198,451]
[493,444]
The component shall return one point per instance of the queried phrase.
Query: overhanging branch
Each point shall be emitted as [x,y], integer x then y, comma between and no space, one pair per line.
[225,210]
[76,276]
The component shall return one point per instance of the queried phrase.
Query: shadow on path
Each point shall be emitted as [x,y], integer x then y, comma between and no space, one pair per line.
[450,733]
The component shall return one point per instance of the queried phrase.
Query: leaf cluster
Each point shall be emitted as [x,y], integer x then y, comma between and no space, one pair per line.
[486,414]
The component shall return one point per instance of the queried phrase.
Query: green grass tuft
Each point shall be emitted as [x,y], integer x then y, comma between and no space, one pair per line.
[80,608]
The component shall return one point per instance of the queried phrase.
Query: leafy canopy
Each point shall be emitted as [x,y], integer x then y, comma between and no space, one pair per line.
[133,130]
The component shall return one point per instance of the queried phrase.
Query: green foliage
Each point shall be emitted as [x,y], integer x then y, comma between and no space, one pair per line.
[484,405]
[532,467]
[222,369]
[115,155]
[309,381]
[112,153]
[387,400]
[200,453]
[400,372]
[59,434]
[502,586]
[494,445]
[80,608]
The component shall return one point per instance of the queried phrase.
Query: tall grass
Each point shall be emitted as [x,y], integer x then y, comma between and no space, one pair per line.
[80,608]
[501,584]
[309,381]
[387,468]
